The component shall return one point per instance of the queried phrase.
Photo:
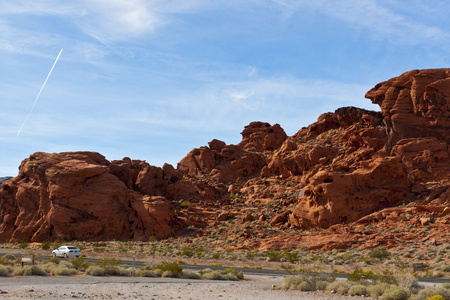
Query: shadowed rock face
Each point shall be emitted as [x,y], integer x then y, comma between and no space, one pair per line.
[353,166]
[415,104]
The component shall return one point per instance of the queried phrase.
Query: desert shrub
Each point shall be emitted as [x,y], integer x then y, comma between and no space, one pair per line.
[95,271]
[377,290]
[63,271]
[235,272]
[156,272]
[432,291]
[174,267]
[321,285]
[199,252]
[9,257]
[80,263]
[48,267]
[379,253]
[30,271]
[191,275]
[291,257]
[213,275]
[146,273]
[360,275]
[436,297]
[7,260]
[339,286]
[306,282]
[108,262]
[395,293]
[188,252]
[298,282]
[446,285]
[46,245]
[358,290]
[406,280]
[273,255]
[54,260]
[4,271]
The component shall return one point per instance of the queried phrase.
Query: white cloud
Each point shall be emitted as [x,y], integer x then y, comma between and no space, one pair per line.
[376,17]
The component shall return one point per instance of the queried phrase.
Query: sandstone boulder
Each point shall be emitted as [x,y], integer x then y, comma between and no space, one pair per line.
[74,195]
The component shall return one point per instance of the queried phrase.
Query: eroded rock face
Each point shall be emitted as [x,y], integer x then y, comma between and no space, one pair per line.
[76,196]
[415,104]
[227,163]
[343,197]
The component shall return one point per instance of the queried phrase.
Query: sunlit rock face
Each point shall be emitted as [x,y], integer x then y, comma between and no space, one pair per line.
[415,104]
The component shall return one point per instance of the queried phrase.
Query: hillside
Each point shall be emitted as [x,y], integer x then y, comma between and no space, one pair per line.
[354,178]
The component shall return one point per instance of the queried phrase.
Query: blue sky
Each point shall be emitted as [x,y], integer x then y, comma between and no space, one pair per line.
[153,79]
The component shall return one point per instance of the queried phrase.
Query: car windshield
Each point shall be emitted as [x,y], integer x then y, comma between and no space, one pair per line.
[73,248]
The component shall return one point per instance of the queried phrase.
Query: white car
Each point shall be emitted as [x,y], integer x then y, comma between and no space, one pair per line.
[66,251]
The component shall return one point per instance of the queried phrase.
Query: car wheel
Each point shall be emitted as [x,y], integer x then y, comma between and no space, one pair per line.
[53,254]
[65,255]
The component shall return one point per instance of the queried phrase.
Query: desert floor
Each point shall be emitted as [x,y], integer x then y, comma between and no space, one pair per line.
[89,287]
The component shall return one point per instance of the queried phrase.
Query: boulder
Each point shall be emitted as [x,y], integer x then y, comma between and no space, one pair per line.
[74,195]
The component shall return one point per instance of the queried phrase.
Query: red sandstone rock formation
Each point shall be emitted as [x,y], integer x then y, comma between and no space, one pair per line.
[351,171]
[76,196]
[415,104]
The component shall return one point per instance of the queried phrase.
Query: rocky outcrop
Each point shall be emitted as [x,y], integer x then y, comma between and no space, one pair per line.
[344,197]
[77,195]
[227,163]
[415,104]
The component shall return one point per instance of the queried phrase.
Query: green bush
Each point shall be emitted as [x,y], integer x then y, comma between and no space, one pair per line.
[358,290]
[436,297]
[395,293]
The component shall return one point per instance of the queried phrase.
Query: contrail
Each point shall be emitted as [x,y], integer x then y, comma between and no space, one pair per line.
[40,91]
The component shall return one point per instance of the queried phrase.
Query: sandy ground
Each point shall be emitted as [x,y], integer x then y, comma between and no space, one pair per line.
[89,287]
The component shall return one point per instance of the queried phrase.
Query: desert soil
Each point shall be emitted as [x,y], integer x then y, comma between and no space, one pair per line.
[89,287]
